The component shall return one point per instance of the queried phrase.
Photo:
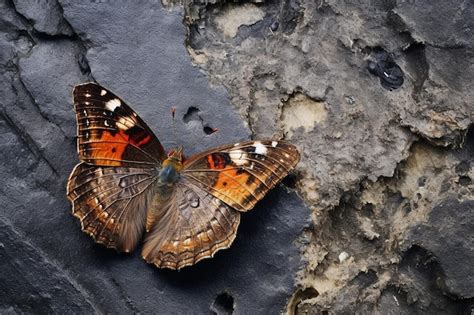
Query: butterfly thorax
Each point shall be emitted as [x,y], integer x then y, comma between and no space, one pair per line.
[170,168]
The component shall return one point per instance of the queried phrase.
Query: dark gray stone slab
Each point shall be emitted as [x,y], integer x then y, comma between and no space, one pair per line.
[49,265]
[441,23]
[49,72]
[448,234]
[45,16]
[31,283]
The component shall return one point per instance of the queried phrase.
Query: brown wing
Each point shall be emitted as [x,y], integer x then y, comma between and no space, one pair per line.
[111,202]
[191,225]
[110,133]
[241,174]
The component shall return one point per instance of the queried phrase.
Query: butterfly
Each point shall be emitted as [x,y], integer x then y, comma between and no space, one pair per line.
[127,185]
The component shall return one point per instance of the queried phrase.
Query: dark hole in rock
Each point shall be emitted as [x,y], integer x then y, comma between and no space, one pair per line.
[290,180]
[464,180]
[422,181]
[463,167]
[417,66]
[191,114]
[365,279]
[407,208]
[383,66]
[208,130]
[301,295]
[223,304]
[289,15]
[368,208]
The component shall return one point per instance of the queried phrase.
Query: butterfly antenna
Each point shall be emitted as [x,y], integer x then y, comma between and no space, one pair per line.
[175,134]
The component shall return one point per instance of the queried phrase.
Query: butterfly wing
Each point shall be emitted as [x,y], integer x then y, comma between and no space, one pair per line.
[190,225]
[111,202]
[110,133]
[241,174]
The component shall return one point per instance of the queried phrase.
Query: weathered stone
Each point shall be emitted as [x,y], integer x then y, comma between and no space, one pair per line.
[387,172]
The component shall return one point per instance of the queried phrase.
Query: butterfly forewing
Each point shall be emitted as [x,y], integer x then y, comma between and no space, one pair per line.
[241,174]
[110,133]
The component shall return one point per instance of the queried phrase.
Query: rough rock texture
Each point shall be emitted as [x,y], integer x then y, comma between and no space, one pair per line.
[377,95]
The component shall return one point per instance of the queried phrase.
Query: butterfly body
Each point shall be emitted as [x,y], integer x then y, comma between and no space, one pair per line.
[126,185]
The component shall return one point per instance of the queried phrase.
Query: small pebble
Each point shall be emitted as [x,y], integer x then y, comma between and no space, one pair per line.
[274,26]
[343,257]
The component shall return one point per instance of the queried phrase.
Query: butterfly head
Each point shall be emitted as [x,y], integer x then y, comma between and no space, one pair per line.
[176,154]
[175,159]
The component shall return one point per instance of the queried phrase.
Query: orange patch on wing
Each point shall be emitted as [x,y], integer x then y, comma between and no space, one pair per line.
[111,147]
[233,186]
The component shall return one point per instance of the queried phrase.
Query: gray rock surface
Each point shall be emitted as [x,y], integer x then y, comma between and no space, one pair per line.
[386,168]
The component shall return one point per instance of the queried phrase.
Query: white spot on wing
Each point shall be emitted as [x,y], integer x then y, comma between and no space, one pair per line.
[106,123]
[274,143]
[125,123]
[260,148]
[113,104]
[238,156]
[87,95]
[103,92]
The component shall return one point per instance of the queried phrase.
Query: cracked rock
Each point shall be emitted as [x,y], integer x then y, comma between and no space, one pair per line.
[45,16]
[377,96]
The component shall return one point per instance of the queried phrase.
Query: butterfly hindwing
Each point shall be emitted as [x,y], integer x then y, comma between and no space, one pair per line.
[241,174]
[191,225]
[110,133]
[111,202]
